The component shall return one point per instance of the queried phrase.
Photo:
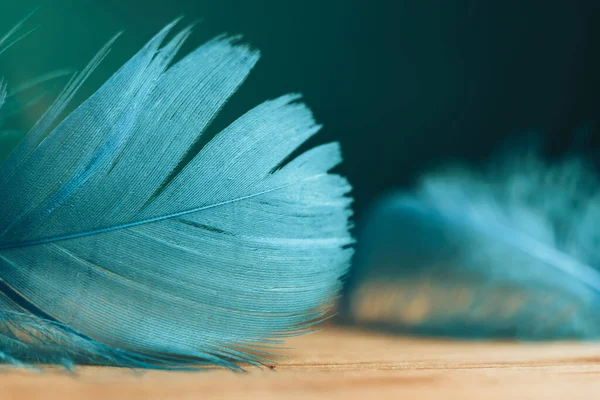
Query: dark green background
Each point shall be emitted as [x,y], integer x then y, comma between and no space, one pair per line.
[404,85]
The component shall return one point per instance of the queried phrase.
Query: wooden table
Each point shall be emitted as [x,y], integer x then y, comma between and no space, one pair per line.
[349,364]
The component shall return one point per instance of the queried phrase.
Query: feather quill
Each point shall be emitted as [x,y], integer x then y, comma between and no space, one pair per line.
[113,250]
[511,252]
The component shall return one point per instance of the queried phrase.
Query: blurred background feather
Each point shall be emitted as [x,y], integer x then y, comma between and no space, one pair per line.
[509,252]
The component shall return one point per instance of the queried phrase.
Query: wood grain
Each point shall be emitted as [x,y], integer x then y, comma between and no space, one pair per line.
[345,364]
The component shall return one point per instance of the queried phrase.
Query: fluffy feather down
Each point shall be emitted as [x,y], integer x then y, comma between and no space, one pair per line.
[511,252]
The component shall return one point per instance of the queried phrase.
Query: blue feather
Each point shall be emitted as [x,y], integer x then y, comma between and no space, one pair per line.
[511,252]
[118,246]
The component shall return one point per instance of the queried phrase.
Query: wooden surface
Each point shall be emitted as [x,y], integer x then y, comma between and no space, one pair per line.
[346,364]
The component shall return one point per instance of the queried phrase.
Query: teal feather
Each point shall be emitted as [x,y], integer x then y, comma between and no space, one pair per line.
[118,246]
[508,252]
